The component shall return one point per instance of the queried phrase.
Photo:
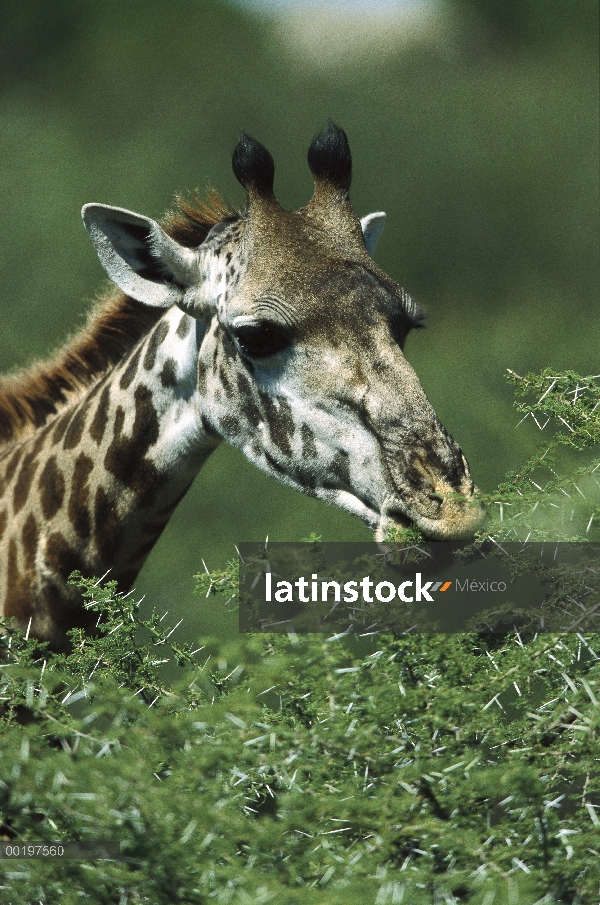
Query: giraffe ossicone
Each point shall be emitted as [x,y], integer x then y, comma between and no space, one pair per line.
[270,329]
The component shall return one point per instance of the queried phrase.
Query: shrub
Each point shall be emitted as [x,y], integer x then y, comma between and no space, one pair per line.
[430,768]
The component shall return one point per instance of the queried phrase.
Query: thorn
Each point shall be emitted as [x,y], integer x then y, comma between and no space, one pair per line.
[116,628]
[552,385]
[565,423]
[173,629]
[102,579]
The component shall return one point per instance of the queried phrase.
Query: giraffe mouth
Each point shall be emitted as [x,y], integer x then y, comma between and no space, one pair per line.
[455,518]
[388,523]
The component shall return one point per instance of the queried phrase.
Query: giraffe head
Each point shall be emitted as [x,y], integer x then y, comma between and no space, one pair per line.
[299,342]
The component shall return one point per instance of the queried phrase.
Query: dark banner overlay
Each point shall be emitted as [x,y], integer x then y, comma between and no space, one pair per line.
[430,587]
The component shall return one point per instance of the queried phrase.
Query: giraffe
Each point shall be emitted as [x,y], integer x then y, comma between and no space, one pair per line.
[270,329]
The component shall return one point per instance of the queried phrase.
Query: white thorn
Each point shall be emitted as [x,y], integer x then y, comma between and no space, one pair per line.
[102,579]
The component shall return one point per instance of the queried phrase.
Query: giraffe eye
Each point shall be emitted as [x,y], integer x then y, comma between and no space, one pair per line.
[262,339]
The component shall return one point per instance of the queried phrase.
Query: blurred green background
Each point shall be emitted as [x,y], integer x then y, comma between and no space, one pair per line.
[473,123]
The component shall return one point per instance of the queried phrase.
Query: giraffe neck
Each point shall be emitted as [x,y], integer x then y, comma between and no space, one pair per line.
[94,488]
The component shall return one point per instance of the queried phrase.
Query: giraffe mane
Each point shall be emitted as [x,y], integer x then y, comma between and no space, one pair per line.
[31,397]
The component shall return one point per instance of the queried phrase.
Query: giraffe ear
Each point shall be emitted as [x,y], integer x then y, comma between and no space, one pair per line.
[372,227]
[138,255]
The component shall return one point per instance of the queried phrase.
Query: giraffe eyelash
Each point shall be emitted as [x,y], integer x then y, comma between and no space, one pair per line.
[411,309]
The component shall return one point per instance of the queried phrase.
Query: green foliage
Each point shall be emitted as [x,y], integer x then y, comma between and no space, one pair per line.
[408,536]
[544,503]
[312,538]
[573,400]
[430,768]
[446,769]
[218,582]
[127,647]
[453,767]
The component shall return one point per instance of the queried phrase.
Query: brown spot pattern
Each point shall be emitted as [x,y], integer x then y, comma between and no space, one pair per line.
[249,408]
[67,612]
[52,488]
[155,527]
[12,464]
[231,425]
[183,327]
[158,336]
[62,424]
[61,558]
[131,369]
[206,427]
[168,375]
[23,484]
[77,509]
[108,530]
[273,464]
[19,589]
[98,425]
[280,421]
[341,468]
[74,431]
[225,381]
[30,541]
[125,456]
[119,421]
[309,449]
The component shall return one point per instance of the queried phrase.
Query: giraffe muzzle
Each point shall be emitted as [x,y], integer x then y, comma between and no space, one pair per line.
[449,516]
